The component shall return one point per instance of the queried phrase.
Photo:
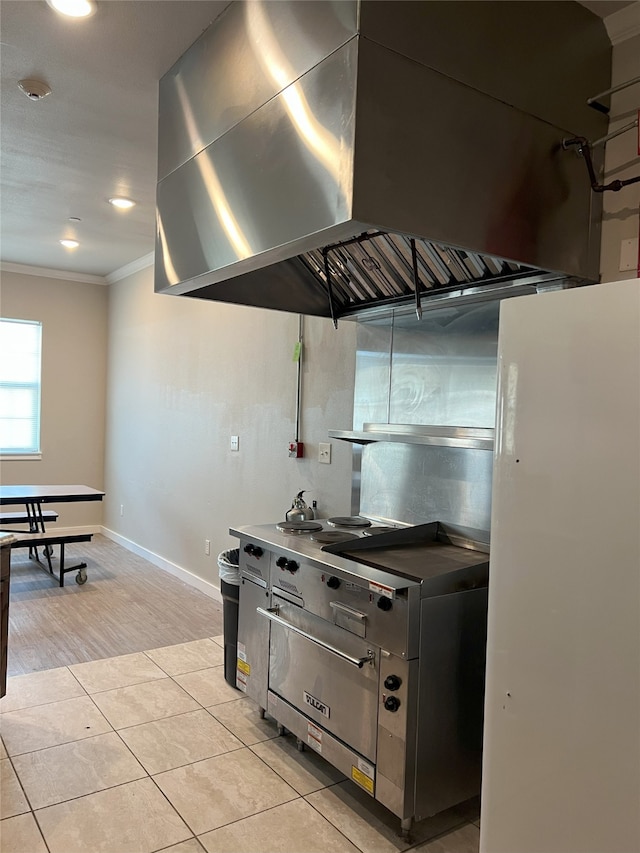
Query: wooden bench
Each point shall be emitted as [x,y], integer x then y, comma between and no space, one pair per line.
[24,518]
[47,540]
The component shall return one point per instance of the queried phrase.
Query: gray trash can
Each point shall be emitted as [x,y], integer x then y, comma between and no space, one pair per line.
[229,572]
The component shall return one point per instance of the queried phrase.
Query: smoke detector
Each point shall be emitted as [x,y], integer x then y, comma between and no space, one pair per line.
[35,90]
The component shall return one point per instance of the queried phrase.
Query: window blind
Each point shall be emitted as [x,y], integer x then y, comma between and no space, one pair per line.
[20,370]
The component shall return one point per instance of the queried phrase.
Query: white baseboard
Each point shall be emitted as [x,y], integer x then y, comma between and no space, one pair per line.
[69,531]
[166,565]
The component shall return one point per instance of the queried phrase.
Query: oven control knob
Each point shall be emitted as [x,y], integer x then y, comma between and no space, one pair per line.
[333,582]
[392,682]
[253,550]
[292,566]
[385,603]
[392,703]
[281,562]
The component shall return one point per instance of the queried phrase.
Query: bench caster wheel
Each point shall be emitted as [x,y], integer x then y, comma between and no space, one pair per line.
[299,745]
[81,577]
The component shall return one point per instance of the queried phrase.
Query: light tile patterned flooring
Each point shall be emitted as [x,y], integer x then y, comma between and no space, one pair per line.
[155,751]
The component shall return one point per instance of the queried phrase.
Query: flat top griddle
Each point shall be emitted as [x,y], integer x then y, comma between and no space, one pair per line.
[424,553]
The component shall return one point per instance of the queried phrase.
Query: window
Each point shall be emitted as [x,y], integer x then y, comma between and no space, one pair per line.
[20,345]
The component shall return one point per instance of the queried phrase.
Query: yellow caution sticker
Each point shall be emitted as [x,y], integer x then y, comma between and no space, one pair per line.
[243,666]
[364,781]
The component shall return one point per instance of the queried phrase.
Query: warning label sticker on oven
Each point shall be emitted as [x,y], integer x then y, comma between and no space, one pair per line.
[363,775]
[243,666]
[241,681]
[364,781]
[242,652]
[381,589]
[314,737]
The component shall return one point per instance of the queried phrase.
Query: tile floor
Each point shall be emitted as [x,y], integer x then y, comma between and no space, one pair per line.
[154,751]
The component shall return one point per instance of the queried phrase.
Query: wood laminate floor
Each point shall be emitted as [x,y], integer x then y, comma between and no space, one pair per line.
[127,605]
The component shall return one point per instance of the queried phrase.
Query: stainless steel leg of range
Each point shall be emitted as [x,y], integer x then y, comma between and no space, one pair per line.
[405,827]
[262,713]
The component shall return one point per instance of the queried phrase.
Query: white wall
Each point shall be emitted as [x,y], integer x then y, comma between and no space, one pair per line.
[620,219]
[186,374]
[561,769]
[74,346]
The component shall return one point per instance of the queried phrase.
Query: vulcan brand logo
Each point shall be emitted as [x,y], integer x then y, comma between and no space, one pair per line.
[325,710]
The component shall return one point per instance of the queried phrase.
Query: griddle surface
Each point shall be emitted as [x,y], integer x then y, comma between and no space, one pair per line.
[419,561]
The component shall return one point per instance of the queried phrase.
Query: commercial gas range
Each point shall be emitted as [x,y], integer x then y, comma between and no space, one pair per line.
[368,644]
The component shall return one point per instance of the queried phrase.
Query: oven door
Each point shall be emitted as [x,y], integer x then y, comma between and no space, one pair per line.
[327,673]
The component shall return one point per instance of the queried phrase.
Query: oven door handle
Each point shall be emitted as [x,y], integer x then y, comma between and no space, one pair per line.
[272,614]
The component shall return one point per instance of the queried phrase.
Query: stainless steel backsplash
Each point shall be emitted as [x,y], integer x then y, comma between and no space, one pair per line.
[438,371]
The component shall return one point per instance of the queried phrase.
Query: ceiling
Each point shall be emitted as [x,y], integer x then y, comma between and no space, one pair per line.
[95,136]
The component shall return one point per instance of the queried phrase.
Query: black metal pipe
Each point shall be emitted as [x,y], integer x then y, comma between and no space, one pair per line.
[584,150]
[416,278]
[327,272]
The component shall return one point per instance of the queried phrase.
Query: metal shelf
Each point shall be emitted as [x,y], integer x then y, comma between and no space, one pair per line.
[469,437]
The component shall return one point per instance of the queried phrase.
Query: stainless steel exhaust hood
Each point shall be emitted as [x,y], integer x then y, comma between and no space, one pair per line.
[326,157]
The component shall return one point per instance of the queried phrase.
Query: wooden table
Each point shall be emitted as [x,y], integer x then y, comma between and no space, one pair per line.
[35,518]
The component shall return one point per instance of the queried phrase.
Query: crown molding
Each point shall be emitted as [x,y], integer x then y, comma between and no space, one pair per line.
[129,269]
[624,24]
[45,272]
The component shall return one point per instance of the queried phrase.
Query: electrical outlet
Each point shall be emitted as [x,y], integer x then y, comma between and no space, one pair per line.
[324,453]
[207,546]
[235,442]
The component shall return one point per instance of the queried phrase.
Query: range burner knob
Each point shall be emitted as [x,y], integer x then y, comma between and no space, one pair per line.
[392,703]
[289,565]
[333,582]
[392,682]
[253,550]
[385,603]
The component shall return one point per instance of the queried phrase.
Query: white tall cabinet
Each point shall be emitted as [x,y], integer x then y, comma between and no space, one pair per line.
[562,715]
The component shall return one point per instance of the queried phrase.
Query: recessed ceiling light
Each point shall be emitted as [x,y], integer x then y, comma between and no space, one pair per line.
[70,244]
[73,8]
[121,202]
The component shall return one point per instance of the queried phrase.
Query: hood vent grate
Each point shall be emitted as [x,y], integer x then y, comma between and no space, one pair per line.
[377,266]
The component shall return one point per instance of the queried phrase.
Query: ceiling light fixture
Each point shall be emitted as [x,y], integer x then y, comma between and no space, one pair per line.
[121,202]
[70,244]
[73,8]
[35,90]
